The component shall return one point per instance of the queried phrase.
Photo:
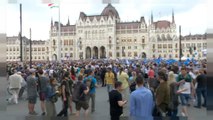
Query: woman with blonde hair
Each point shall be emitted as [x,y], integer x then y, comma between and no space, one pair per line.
[124,78]
[81,72]
[173,104]
[171,77]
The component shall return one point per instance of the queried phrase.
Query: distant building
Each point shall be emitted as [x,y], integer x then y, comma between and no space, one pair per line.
[39,49]
[2,48]
[197,42]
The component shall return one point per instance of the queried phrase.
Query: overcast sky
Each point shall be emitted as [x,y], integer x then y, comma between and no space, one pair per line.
[193,15]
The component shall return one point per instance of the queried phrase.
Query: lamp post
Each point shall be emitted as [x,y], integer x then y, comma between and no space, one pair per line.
[30,50]
[20,34]
[59,35]
[180,46]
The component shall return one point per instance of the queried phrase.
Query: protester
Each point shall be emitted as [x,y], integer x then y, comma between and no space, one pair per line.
[185,84]
[42,87]
[152,81]
[109,79]
[82,90]
[32,92]
[141,102]
[163,94]
[15,84]
[116,102]
[173,103]
[132,82]
[50,93]
[70,83]
[91,82]
[123,77]
[65,95]
[201,88]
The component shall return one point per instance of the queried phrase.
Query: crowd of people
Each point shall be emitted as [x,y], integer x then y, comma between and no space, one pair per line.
[140,90]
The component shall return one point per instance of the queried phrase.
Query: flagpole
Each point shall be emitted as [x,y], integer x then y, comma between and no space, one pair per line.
[59,35]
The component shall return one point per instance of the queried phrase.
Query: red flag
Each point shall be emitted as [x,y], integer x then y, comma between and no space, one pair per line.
[50,4]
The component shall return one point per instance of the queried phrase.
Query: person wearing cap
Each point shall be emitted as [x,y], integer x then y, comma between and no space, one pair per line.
[15,84]
[32,91]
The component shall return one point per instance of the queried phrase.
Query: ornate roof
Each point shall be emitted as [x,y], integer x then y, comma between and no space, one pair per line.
[193,37]
[128,25]
[68,28]
[109,10]
[162,24]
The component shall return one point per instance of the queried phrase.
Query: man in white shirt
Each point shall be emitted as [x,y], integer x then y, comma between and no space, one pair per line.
[15,84]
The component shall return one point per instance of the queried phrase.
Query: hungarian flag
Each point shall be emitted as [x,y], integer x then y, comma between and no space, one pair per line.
[52,5]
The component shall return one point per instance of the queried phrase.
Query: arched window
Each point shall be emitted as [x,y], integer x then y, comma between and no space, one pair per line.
[163,37]
[53,41]
[110,39]
[176,45]
[169,37]
[153,46]
[143,40]
[158,38]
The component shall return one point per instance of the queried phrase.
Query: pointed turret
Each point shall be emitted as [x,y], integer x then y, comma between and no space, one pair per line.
[151,18]
[173,16]
[68,22]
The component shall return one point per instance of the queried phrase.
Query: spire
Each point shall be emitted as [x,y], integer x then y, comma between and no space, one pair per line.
[68,22]
[173,17]
[151,18]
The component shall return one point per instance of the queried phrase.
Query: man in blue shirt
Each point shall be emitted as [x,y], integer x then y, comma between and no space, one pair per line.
[91,82]
[141,102]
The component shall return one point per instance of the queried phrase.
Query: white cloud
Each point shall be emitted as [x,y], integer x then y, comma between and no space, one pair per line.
[38,17]
[2,16]
[209,16]
[193,21]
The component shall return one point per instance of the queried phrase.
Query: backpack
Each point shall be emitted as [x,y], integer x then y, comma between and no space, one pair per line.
[59,89]
[77,92]
[89,83]
[55,74]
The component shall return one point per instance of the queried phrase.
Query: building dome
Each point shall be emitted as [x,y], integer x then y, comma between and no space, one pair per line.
[109,10]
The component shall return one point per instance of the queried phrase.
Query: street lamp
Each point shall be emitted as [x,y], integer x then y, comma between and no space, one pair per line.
[30,50]
[180,45]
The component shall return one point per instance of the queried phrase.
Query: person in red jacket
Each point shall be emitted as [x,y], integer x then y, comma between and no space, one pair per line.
[72,75]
